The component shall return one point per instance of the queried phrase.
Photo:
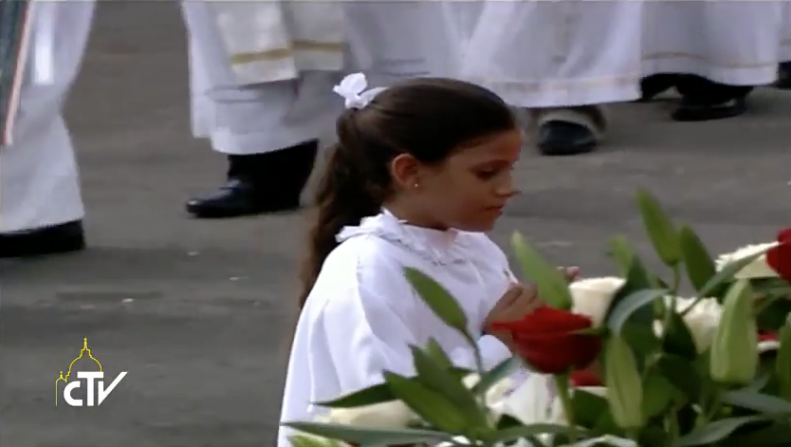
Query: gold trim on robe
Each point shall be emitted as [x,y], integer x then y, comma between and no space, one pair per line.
[277,40]
[282,53]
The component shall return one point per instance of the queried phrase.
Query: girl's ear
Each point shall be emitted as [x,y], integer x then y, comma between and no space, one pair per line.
[405,171]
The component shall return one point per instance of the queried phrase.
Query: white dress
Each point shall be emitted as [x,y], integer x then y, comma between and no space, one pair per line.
[362,314]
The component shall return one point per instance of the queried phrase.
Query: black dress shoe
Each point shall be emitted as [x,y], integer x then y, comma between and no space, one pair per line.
[565,138]
[239,197]
[654,85]
[259,183]
[690,111]
[62,238]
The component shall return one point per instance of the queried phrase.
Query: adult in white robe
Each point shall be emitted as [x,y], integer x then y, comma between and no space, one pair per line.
[560,60]
[362,315]
[716,52]
[41,207]
[784,70]
[262,75]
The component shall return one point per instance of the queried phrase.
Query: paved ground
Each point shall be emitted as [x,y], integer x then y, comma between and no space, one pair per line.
[196,312]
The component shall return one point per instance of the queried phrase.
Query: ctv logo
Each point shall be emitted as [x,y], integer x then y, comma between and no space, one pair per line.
[91,385]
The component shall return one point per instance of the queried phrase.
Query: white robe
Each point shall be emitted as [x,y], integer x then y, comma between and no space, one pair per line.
[785,34]
[729,42]
[39,182]
[362,314]
[556,54]
[263,103]
[276,99]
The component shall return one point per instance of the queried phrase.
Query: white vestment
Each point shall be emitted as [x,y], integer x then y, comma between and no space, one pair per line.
[556,54]
[257,87]
[729,42]
[39,182]
[250,99]
[362,314]
[785,34]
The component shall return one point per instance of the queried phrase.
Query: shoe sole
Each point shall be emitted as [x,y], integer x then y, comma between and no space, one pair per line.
[202,213]
[39,244]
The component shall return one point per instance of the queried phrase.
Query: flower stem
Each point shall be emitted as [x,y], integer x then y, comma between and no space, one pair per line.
[564,394]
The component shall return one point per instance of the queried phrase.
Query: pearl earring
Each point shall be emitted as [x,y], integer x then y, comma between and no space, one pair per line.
[416,185]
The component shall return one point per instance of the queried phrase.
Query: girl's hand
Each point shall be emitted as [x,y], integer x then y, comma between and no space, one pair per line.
[518,301]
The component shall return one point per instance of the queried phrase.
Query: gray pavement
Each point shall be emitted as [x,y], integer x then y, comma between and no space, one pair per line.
[197,311]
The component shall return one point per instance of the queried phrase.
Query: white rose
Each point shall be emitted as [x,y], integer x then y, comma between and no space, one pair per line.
[759,268]
[592,297]
[393,414]
[768,345]
[702,320]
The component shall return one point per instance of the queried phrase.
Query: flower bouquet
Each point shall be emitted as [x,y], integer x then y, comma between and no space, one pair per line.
[622,361]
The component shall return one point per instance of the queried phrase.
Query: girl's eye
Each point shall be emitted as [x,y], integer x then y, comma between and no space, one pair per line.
[486,174]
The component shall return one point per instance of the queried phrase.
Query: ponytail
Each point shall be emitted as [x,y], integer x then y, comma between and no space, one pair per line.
[344,197]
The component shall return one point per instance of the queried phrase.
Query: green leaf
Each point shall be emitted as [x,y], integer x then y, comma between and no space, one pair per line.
[777,434]
[496,374]
[714,286]
[641,338]
[759,383]
[309,441]
[430,405]
[438,300]
[773,316]
[553,288]
[376,394]
[622,251]
[369,436]
[697,260]
[432,375]
[654,436]
[783,361]
[514,433]
[437,354]
[626,307]
[678,340]
[762,403]
[658,393]
[716,431]
[659,228]
[637,279]
[588,408]
[682,374]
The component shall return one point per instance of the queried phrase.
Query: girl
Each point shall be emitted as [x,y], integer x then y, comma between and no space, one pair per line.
[421,170]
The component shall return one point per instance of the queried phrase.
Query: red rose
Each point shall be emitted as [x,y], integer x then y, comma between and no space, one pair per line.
[779,257]
[585,378]
[548,340]
[767,336]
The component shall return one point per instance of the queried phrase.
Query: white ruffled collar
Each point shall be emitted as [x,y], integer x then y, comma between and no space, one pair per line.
[436,246]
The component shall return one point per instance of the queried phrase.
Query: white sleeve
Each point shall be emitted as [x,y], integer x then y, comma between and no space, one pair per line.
[367,334]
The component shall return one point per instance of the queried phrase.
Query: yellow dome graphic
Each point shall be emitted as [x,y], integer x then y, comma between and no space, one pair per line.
[85,350]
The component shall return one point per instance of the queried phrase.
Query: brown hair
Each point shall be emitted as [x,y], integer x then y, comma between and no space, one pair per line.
[428,118]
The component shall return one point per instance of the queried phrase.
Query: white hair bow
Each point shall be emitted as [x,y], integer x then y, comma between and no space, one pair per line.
[352,89]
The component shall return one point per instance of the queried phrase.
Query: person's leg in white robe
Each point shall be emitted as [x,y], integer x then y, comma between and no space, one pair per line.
[718,50]
[41,206]
[560,60]
[784,68]
[268,132]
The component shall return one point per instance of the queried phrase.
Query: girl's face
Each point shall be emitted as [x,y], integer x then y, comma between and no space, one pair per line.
[469,189]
